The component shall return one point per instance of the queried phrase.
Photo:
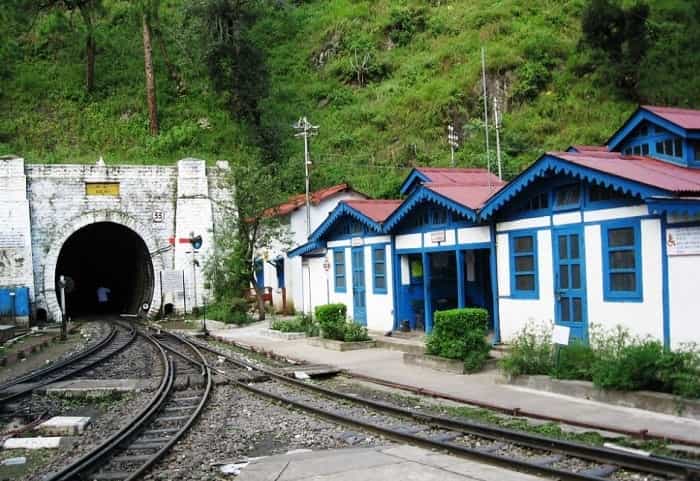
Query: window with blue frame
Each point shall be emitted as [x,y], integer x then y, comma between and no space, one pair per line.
[523,266]
[567,197]
[598,193]
[379,269]
[339,269]
[622,263]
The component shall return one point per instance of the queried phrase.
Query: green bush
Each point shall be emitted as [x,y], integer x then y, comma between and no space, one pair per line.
[461,334]
[530,353]
[301,323]
[230,311]
[575,361]
[355,332]
[331,320]
[633,369]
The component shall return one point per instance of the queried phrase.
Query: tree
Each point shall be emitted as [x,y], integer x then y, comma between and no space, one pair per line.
[620,34]
[149,11]
[250,227]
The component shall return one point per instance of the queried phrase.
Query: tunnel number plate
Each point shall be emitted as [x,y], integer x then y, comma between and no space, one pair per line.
[102,188]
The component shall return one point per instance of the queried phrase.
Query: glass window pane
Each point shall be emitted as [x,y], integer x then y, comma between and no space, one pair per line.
[525,282]
[573,242]
[524,263]
[340,270]
[563,251]
[575,276]
[659,148]
[623,282]
[568,196]
[678,151]
[621,237]
[645,149]
[564,309]
[668,147]
[379,269]
[380,282]
[577,308]
[622,260]
[564,277]
[524,244]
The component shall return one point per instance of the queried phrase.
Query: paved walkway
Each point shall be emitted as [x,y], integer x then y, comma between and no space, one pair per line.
[406,463]
[483,387]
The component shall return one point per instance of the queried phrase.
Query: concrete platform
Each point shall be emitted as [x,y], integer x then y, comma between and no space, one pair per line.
[95,388]
[64,425]
[41,442]
[405,463]
[484,387]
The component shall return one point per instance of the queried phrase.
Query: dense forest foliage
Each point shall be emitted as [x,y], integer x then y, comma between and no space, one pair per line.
[381,78]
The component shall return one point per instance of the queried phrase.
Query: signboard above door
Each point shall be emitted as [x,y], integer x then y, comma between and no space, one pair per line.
[437,237]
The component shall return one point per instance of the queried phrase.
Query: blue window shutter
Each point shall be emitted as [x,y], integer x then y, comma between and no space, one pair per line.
[622,261]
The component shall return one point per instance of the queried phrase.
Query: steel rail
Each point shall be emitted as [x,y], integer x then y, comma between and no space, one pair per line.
[72,365]
[648,464]
[88,465]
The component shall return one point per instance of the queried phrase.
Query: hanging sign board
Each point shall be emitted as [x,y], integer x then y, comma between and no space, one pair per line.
[102,188]
[172,281]
[437,237]
[683,241]
[560,335]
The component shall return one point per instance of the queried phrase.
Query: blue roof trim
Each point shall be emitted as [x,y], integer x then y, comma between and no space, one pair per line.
[549,164]
[424,194]
[411,179]
[674,206]
[305,249]
[640,115]
[341,210]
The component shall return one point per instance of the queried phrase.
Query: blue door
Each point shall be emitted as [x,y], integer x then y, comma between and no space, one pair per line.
[569,281]
[359,302]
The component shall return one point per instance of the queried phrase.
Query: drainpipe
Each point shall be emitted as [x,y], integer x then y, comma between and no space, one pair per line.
[494,284]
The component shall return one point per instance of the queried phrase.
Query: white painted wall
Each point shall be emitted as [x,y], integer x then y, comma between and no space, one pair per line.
[408,241]
[516,313]
[641,318]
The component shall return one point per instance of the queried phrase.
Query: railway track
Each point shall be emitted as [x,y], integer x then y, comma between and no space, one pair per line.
[181,396]
[512,449]
[119,337]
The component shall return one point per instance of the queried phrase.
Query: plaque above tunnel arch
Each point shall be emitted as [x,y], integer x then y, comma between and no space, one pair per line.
[102,188]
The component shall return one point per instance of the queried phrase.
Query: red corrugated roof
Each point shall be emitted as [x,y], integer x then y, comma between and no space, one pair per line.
[459,176]
[685,118]
[644,170]
[473,197]
[299,200]
[377,210]
[591,148]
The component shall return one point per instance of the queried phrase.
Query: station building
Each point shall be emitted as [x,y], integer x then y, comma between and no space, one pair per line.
[606,235]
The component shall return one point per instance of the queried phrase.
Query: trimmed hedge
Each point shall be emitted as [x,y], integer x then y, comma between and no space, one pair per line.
[331,319]
[334,325]
[461,334]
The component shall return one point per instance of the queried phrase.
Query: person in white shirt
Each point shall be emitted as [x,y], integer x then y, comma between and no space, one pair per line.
[103,294]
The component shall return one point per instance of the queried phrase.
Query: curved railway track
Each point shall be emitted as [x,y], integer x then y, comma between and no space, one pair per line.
[118,337]
[512,449]
[179,399]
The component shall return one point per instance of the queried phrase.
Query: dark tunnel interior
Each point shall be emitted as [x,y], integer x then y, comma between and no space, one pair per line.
[106,255]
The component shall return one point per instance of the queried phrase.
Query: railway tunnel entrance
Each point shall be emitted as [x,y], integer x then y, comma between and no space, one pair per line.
[105,255]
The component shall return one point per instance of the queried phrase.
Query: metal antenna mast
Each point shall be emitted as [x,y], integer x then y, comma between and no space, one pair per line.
[453,140]
[486,111]
[497,123]
[306,130]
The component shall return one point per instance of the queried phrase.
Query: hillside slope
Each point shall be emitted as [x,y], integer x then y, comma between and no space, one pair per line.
[381,78]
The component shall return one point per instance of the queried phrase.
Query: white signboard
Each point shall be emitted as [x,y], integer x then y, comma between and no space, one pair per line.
[436,237]
[171,281]
[356,241]
[683,241]
[560,335]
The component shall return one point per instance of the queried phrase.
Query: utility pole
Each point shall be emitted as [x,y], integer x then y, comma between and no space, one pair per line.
[497,123]
[64,320]
[453,140]
[306,130]
[486,111]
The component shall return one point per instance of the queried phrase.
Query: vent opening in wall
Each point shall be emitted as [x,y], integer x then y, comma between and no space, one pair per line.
[109,258]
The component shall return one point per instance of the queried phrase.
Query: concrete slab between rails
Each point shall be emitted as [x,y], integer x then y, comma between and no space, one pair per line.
[96,388]
[483,388]
[407,463]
